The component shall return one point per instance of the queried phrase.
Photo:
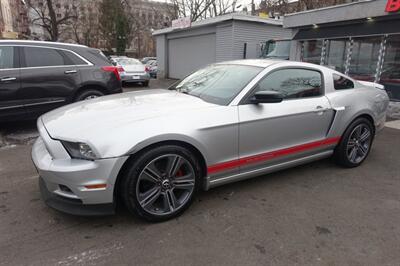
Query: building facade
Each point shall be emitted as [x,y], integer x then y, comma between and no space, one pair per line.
[7,30]
[20,19]
[145,17]
[227,37]
[14,19]
[361,39]
[148,17]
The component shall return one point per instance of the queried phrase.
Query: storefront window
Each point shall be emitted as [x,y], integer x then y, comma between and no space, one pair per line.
[312,51]
[277,50]
[335,56]
[364,58]
[390,75]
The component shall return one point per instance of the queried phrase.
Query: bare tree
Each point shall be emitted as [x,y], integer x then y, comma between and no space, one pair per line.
[313,4]
[48,19]
[274,6]
[202,9]
[85,25]
[284,6]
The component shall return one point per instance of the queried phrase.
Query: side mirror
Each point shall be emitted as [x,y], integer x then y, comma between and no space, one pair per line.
[267,97]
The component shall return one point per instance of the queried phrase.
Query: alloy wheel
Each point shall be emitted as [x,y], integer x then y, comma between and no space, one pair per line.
[358,143]
[165,184]
[90,97]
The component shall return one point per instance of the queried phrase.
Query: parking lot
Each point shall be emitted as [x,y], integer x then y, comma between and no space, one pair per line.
[317,214]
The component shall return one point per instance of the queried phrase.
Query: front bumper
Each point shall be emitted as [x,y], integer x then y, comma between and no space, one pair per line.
[135,77]
[73,206]
[64,181]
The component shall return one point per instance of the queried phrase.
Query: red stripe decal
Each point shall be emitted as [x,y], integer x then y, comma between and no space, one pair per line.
[271,155]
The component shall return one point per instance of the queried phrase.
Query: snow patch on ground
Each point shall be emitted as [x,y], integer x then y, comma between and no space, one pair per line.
[393,124]
[89,257]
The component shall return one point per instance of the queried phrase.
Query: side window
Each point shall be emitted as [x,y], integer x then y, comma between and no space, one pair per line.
[6,57]
[40,57]
[74,59]
[342,83]
[293,83]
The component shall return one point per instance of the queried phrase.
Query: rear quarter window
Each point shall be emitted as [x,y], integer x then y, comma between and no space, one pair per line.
[342,83]
[74,59]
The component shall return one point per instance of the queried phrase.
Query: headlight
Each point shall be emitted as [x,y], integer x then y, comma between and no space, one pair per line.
[79,150]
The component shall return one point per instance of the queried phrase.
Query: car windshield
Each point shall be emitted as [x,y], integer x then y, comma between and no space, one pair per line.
[128,61]
[218,83]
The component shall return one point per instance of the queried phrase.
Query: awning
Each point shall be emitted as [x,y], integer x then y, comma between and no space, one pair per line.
[365,28]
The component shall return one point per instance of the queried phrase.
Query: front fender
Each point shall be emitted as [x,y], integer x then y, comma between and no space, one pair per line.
[169,137]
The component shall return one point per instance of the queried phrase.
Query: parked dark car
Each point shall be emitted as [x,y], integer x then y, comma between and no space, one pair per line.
[153,68]
[36,77]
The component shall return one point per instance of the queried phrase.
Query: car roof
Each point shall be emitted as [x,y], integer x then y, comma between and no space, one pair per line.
[53,44]
[264,63]
[251,62]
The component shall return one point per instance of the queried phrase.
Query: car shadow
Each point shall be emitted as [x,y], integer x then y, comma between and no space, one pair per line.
[217,197]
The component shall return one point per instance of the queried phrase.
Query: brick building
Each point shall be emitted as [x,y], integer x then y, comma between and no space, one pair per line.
[146,16]
[13,19]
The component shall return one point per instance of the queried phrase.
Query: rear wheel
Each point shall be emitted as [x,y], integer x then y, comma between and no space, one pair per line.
[88,94]
[355,144]
[161,183]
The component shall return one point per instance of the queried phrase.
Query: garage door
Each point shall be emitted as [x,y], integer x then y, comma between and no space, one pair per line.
[188,54]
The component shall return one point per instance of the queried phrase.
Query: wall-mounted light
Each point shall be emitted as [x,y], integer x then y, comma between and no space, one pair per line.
[369,19]
[315,26]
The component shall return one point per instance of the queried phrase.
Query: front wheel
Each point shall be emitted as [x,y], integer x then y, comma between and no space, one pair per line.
[355,144]
[161,183]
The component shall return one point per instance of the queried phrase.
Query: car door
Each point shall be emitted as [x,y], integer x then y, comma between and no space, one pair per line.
[48,78]
[272,133]
[11,107]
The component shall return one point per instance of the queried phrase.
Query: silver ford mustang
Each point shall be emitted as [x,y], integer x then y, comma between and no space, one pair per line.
[153,150]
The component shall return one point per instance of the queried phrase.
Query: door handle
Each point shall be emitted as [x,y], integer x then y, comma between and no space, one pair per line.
[320,110]
[70,71]
[8,79]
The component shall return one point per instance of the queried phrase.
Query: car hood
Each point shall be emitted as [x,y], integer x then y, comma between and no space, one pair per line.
[116,114]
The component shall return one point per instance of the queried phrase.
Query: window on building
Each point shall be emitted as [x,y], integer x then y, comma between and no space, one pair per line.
[293,83]
[364,58]
[6,57]
[335,56]
[312,51]
[39,57]
[342,83]
[276,49]
[390,75]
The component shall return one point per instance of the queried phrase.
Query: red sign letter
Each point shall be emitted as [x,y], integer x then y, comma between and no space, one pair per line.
[392,5]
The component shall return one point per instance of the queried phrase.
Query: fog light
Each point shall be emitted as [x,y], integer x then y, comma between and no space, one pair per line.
[65,189]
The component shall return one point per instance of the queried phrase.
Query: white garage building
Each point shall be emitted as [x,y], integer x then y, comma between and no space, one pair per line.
[227,37]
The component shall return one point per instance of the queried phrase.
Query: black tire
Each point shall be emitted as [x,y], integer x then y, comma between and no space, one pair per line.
[342,155]
[146,83]
[88,94]
[132,181]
